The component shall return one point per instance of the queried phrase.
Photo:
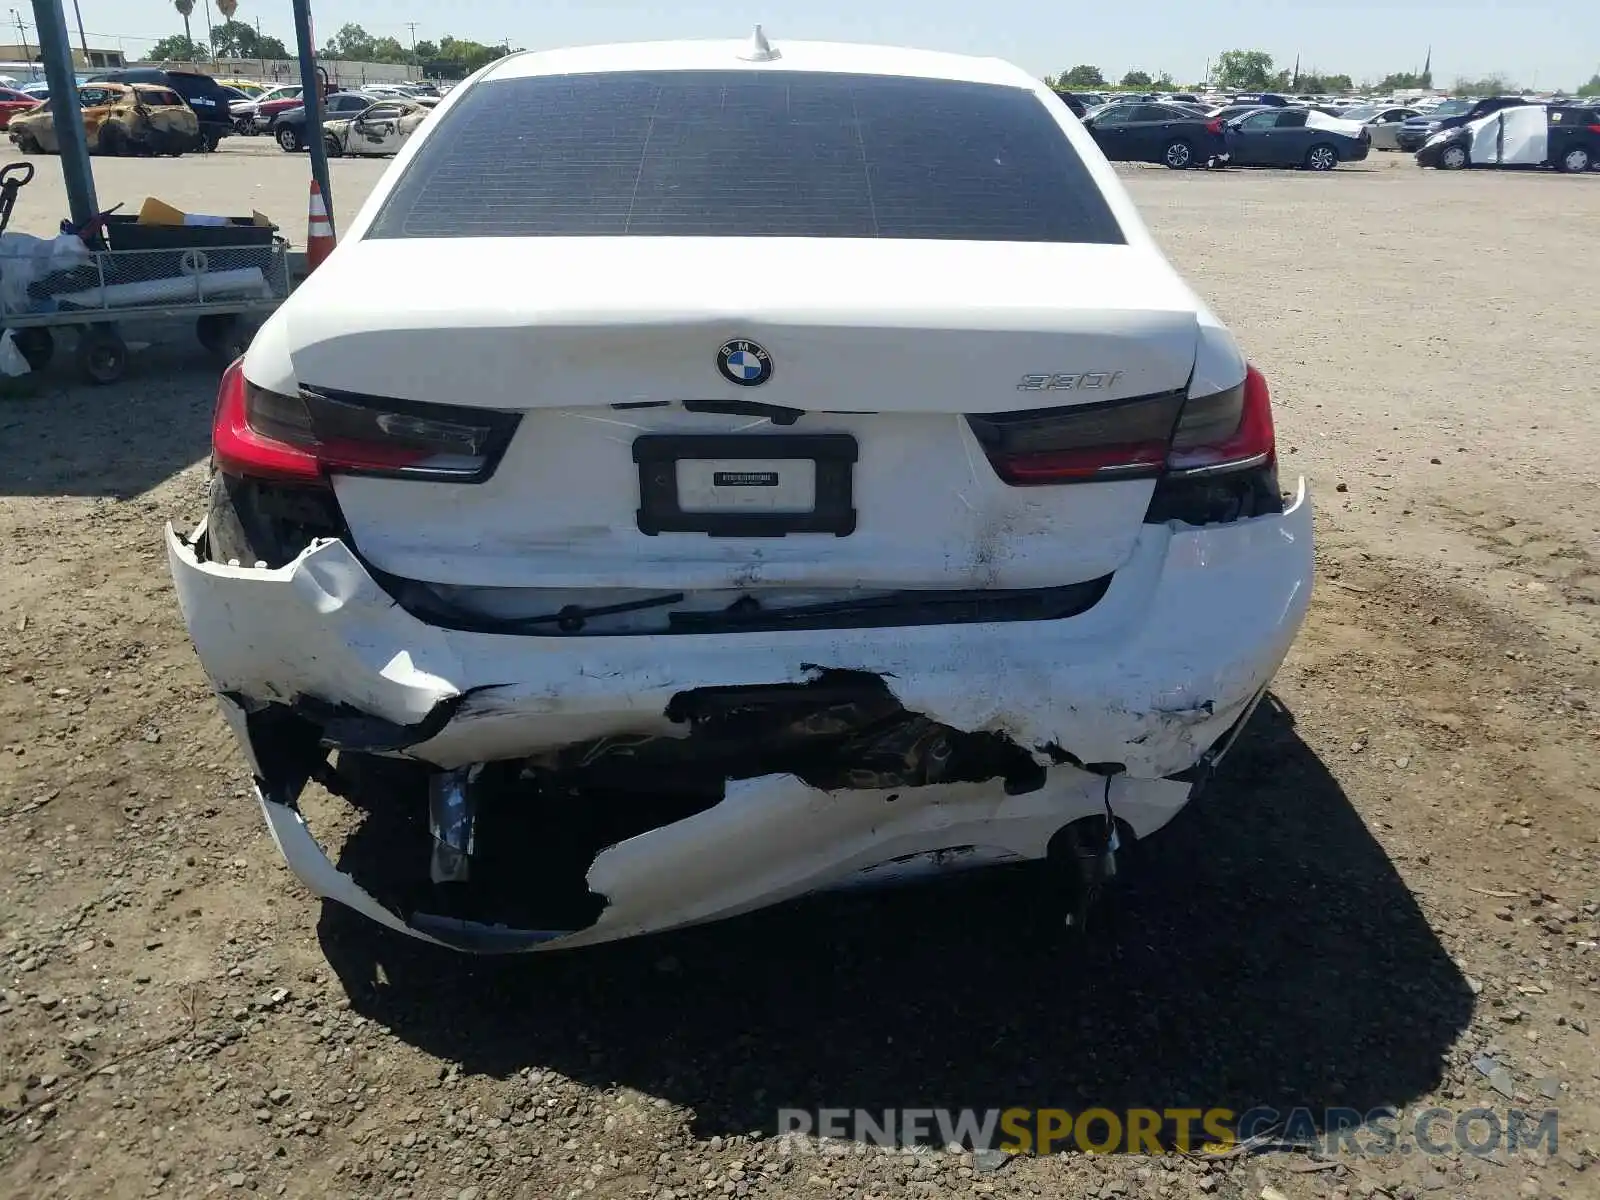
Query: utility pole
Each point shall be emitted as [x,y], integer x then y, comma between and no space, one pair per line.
[258,47]
[82,40]
[22,33]
[412,25]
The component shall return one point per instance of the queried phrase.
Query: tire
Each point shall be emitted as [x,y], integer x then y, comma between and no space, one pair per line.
[36,344]
[223,334]
[112,143]
[29,144]
[332,146]
[1453,158]
[1178,155]
[1322,157]
[102,354]
[288,139]
[1576,161]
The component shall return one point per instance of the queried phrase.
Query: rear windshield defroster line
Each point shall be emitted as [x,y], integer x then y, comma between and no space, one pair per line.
[747,154]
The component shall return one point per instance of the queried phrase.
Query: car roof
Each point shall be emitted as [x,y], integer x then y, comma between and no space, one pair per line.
[847,58]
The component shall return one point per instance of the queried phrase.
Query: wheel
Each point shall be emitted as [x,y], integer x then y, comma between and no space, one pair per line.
[223,334]
[289,139]
[332,146]
[28,144]
[1453,158]
[102,354]
[210,141]
[1322,158]
[1576,161]
[36,344]
[1178,155]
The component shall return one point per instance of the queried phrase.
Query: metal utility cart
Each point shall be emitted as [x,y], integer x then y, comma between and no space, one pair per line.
[214,275]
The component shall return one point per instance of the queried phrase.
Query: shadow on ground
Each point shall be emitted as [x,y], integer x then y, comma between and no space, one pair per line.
[1264,952]
[63,437]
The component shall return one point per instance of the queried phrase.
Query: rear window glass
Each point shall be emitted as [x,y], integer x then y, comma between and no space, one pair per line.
[748,154]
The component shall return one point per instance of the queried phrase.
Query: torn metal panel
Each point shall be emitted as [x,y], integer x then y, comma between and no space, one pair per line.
[1191,628]
[768,840]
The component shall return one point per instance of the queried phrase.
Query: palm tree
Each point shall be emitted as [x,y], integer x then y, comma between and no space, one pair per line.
[227,8]
[185,7]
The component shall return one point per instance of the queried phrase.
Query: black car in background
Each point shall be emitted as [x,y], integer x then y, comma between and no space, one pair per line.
[1452,114]
[205,95]
[1175,135]
[1075,105]
[1261,99]
[1294,137]
[1563,136]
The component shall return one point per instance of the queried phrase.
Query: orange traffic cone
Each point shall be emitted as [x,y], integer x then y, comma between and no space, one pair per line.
[319,231]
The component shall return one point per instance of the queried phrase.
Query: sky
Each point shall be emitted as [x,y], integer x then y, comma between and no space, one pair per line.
[1534,44]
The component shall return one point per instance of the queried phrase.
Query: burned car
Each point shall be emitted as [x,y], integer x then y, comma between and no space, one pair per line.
[118,118]
[684,547]
[380,129]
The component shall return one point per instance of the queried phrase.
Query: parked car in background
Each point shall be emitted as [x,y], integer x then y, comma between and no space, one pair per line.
[280,100]
[1294,137]
[199,91]
[1175,136]
[1075,106]
[1261,99]
[118,118]
[1229,111]
[1566,137]
[247,87]
[289,128]
[39,91]
[1382,121]
[1452,114]
[13,102]
[380,129]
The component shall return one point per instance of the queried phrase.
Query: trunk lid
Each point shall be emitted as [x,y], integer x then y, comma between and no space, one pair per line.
[599,342]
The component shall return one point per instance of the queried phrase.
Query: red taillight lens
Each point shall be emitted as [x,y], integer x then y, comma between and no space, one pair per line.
[1227,431]
[1595,129]
[305,437]
[1121,439]
[1214,126]
[1169,434]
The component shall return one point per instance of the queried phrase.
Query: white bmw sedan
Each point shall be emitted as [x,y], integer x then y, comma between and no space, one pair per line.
[800,470]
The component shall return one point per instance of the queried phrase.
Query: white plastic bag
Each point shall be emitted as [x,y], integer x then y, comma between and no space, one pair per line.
[25,258]
[11,361]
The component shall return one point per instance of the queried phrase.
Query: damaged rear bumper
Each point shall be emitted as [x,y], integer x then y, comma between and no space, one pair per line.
[1144,685]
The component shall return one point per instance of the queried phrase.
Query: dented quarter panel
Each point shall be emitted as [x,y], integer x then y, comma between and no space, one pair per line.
[1192,627]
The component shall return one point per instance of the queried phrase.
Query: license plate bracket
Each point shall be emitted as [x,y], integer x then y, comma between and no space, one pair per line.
[830,456]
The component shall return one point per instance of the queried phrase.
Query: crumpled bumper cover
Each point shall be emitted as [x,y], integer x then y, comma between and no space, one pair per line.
[1187,637]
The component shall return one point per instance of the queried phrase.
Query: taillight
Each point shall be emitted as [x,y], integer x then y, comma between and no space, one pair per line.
[304,437]
[1595,129]
[1120,439]
[1226,431]
[1171,434]
[1214,126]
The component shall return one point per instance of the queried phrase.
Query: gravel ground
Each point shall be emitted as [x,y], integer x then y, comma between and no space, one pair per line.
[1392,897]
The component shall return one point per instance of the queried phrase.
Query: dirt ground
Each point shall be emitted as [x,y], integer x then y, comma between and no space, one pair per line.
[1391,898]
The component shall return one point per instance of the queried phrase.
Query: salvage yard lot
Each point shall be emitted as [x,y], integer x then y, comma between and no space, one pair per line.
[1397,874]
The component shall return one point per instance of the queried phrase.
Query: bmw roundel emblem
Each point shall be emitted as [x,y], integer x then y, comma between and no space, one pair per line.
[744,363]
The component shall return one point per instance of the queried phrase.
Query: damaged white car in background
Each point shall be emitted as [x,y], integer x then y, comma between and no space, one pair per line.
[803,470]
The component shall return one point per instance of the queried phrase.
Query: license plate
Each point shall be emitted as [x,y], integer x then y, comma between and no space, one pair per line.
[746,485]
[775,485]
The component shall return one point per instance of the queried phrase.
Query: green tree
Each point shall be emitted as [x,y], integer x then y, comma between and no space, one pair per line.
[1489,85]
[426,50]
[1315,81]
[185,7]
[1081,76]
[1245,70]
[1592,88]
[178,48]
[235,39]
[1136,79]
[352,42]
[1404,81]
[1164,82]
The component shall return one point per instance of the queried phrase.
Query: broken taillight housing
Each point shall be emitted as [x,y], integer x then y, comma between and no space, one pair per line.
[305,437]
[1200,449]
